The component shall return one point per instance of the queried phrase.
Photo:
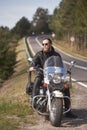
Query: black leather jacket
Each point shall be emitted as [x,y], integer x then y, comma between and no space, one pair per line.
[41,57]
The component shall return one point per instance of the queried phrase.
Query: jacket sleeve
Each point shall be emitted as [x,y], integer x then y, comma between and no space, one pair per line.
[36,60]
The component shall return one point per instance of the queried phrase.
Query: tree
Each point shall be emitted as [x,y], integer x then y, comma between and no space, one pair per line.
[64,16]
[7,54]
[81,16]
[22,27]
[70,18]
[40,21]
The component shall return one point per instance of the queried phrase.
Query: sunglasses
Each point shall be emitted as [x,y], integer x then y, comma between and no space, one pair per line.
[45,44]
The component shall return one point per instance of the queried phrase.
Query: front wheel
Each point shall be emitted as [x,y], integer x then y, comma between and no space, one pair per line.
[56,111]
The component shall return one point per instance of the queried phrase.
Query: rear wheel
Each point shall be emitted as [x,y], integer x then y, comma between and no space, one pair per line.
[56,111]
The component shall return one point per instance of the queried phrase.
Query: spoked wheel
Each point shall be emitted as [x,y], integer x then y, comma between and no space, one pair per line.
[56,111]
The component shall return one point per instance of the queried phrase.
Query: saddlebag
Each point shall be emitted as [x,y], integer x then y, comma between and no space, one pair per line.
[29,88]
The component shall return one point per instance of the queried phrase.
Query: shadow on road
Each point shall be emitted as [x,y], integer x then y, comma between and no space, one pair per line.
[80,121]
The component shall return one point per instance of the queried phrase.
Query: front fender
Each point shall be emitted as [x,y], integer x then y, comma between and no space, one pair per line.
[57,93]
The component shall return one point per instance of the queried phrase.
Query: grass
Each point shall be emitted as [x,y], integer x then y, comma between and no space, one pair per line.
[15,110]
[12,114]
[71,50]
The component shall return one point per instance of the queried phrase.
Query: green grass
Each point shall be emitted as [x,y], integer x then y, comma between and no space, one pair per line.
[15,108]
[8,124]
[12,113]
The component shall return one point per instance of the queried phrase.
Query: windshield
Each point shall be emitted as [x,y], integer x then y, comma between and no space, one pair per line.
[54,65]
[53,61]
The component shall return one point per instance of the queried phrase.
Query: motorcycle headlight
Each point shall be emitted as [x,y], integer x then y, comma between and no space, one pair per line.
[57,78]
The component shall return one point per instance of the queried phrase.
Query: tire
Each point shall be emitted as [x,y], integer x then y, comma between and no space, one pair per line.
[56,112]
[29,88]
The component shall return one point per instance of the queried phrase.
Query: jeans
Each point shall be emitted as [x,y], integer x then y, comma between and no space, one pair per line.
[37,83]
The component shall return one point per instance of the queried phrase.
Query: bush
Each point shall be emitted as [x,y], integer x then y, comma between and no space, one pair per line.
[7,55]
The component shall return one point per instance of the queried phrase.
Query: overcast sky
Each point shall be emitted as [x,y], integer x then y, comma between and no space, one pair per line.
[12,10]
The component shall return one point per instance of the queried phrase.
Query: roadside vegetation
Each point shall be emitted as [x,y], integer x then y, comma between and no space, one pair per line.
[72,51]
[15,112]
[69,23]
[7,53]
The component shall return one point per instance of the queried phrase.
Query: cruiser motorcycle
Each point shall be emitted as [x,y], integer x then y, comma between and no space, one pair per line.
[50,100]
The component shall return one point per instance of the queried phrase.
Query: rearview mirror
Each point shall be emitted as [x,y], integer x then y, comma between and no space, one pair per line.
[73,62]
[30,59]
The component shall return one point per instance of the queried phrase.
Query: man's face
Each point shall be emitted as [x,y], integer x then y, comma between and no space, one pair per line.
[46,45]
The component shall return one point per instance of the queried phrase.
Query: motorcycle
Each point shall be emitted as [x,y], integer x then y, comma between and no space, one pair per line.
[50,100]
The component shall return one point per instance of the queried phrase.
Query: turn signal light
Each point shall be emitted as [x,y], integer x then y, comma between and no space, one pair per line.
[45,84]
[66,86]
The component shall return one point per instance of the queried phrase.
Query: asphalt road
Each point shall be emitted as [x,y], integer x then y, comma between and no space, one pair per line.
[79,72]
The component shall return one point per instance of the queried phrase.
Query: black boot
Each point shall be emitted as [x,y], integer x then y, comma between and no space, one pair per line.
[67,102]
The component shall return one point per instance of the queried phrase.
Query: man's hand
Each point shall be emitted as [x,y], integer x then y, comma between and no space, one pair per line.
[31,68]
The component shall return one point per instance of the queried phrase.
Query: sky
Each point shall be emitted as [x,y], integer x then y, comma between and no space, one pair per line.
[11,11]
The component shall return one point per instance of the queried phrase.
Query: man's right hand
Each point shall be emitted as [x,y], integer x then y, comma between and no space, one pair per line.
[31,68]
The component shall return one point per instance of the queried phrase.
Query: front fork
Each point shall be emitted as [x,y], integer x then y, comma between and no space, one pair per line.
[57,94]
[65,111]
[54,94]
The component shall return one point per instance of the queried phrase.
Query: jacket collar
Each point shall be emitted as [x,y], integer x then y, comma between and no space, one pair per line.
[50,52]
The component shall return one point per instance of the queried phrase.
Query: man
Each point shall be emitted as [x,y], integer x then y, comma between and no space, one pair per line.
[39,60]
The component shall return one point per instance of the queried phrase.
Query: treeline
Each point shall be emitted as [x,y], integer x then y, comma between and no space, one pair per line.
[70,20]
[38,25]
